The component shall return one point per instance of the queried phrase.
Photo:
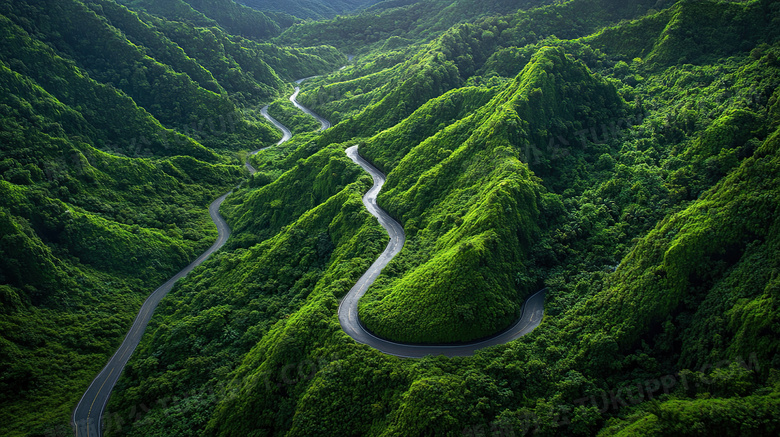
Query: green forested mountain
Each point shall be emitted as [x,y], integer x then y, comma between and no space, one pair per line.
[621,154]
[394,24]
[473,206]
[231,16]
[118,129]
[311,9]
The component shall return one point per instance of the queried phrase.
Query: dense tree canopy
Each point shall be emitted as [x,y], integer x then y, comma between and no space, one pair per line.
[621,154]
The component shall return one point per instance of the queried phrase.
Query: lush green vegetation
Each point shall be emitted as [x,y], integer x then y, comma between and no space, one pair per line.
[112,148]
[390,24]
[231,16]
[641,162]
[625,155]
[296,120]
[85,235]
[313,9]
[471,208]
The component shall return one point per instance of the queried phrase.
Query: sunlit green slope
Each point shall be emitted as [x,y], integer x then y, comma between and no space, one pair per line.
[118,130]
[471,207]
[622,154]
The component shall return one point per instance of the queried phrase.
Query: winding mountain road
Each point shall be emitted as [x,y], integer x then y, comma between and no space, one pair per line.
[533,308]
[294,99]
[89,411]
[87,417]
[286,136]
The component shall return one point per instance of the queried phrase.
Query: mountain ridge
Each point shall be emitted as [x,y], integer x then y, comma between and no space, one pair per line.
[621,155]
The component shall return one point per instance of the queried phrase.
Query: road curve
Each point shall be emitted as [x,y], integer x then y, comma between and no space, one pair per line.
[533,308]
[286,136]
[294,99]
[87,417]
[89,411]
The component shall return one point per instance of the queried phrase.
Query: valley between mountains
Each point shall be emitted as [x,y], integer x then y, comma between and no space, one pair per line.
[492,218]
[87,418]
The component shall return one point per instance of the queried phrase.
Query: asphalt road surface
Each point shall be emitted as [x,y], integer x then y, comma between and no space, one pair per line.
[89,411]
[533,308]
[286,136]
[87,417]
[294,99]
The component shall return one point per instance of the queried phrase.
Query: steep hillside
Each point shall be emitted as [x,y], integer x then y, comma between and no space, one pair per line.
[396,24]
[393,85]
[194,79]
[516,163]
[255,298]
[311,9]
[722,29]
[471,207]
[623,155]
[86,233]
[231,16]
[113,146]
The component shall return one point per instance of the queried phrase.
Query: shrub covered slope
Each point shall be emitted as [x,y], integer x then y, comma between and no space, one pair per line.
[640,188]
[115,139]
[623,154]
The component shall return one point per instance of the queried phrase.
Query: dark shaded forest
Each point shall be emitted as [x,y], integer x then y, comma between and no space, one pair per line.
[623,155]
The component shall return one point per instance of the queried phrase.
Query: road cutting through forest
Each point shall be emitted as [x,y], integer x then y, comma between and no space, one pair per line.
[87,416]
